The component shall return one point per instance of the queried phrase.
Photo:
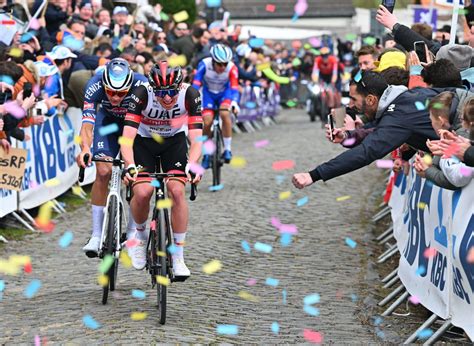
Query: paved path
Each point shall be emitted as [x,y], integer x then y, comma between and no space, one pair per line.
[318,261]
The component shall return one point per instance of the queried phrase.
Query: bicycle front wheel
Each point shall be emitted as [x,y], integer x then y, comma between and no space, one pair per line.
[109,250]
[216,159]
[161,286]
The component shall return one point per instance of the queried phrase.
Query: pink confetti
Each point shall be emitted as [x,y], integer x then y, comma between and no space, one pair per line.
[384,164]
[262,143]
[348,142]
[275,222]
[414,300]
[34,24]
[37,340]
[312,336]
[131,243]
[33,184]
[470,255]
[208,147]
[36,90]
[314,41]
[270,8]
[288,228]
[14,109]
[301,7]
[465,171]
[196,168]
[251,282]
[430,252]
[282,165]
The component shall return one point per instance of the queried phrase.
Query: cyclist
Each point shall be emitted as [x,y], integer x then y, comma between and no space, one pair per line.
[326,67]
[168,108]
[106,99]
[219,79]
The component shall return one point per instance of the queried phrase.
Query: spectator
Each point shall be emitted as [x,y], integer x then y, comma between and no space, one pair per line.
[159,40]
[442,74]
[147,62]
[56,14]
[86,16]
[188,44]
[459,55]
[103,50]
[103,20]
[366,57]
[218,33]
[424,30]
[121,28]
[180,30]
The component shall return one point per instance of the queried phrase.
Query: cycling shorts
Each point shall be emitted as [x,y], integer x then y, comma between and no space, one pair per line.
[173,153]
[106,145]
[213,101]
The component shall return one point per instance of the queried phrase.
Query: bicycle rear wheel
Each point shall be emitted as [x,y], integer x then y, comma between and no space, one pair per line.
[161,289]
[216,159]
[109,250]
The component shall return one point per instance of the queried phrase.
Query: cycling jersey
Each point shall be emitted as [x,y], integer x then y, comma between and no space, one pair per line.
[95,97]
[327,68]
[147,114]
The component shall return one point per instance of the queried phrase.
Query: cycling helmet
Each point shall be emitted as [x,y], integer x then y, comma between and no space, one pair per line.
[243,50]
[221,53]
[164,77]
[117,75]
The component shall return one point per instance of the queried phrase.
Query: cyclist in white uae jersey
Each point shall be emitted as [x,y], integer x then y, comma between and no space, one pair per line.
[169,109]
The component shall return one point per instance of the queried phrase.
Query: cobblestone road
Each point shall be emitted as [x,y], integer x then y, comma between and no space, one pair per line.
[318,261]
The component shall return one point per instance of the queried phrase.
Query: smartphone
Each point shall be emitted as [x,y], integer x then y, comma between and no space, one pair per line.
[420,50]
[339,116]
[331,126]
[389,5]
[27,89]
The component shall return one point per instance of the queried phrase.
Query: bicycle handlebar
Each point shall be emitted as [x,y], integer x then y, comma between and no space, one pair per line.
[82,169]
[97,159]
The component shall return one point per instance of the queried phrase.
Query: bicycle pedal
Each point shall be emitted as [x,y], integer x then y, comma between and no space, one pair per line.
[179,278]
[91,254]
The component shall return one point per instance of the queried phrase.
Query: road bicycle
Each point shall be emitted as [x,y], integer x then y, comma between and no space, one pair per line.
[216,158]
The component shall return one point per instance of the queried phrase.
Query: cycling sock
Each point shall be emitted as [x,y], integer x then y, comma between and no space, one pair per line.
[179,243]
[97,220]
[132,226]
[141,233]
[227,143]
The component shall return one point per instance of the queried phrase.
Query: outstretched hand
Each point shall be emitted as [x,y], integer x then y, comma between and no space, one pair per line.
[386,18]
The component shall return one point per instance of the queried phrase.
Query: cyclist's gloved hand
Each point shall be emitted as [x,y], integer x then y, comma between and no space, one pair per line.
[193,177]
[234,107]
[130,174]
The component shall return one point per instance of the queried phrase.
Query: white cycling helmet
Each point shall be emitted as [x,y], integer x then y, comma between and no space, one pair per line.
[221,53]
[117,75]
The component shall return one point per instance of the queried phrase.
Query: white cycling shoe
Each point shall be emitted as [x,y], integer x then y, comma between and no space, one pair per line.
[138,255]
[92,247]
[180,270]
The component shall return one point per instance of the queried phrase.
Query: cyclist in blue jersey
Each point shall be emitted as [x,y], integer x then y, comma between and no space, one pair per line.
[106,100]
[219,79]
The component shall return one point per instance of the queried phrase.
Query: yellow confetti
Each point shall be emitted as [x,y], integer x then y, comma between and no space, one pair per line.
[103,280]
[212,267]
[52,182]
[164,203]
[161,253]
[9,268]
[177,60]
[421,205]
[180,16]
[284,195]
[77,139]
[428,159]
[126,142]
[45,212]
[238,162]
[15,52]
[158,138]
[125,259]
[138,316]
[247,296]
[343,198]
[162,280]
[19,260]
[77,190]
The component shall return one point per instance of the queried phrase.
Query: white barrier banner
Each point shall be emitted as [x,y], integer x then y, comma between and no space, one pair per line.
[8,201]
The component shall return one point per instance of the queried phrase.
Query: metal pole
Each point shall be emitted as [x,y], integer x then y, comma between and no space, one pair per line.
[432,319]
[391,295]
[390,276]
[391,282]
[395,304]
[387,252]
[390,254]
[38,11]
[380,215]
[437,335]
[390,236]
[386,233]
[28,216]
[23,222]
[454,22]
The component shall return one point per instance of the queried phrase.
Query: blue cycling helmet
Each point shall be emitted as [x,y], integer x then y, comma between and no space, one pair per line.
[117,75]
[221,53]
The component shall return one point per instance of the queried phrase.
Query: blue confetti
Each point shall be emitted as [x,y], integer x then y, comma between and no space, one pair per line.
[311,310]
[425,333]
[256,42]
[415,70]
[139,294]
[262,247]
[227,329]
[351,243]
[421,270]
[311,299]
[2,285]
[285,239]
[250,104]
[213,3]
[272,282]
[302,201]
[354,297]
[89,322]
[107,130]
[379,333]
[358,76]
[275,327]
[420,106]
[172,249]
[7,80]
[155,183]
[201,139]
[216,187]
[295,18]
[245,246]
[66,239]
[32,288]
[378,321]
[284,296]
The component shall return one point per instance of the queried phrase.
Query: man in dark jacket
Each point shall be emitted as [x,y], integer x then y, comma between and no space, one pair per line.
[399,116]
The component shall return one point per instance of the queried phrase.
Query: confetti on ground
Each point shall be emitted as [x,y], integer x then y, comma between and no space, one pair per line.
[285,239]
[201,139]
[238,162]
[262,247]
[162,280]
[103,280]
[311,310]
[284,195]
[32,288]
[351,243]
[342,198]
[379,333]
[245,246]
[126,142]
[247,296]
[270,8]
[212,267]
[302,201]
[106,263]
[44,216]
[157,138]
[384,164]
[272,282]
[275,327]
[208,148]
[125,259]
[282,165]
[107,130]
[52,182]
[216,187]
[288,228]
[139,294]
[28,268]
[90,323]
[262,143]
[2,285]
[180,16]
[311,299]
[251,282]
[138,316]
[420,106]
[312,336]
[37,340]
[430,252]
[414,300]
[275,222]
[279,179]
[284,296]
[378,321]
[421,271]
[354,297]
[425,334]
[227,329]
[470,255]
[66,239]
[164,203]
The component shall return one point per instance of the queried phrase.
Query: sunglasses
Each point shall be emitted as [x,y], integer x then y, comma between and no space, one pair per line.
[181,29]
[169,92]
[120,93]
[221,64]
